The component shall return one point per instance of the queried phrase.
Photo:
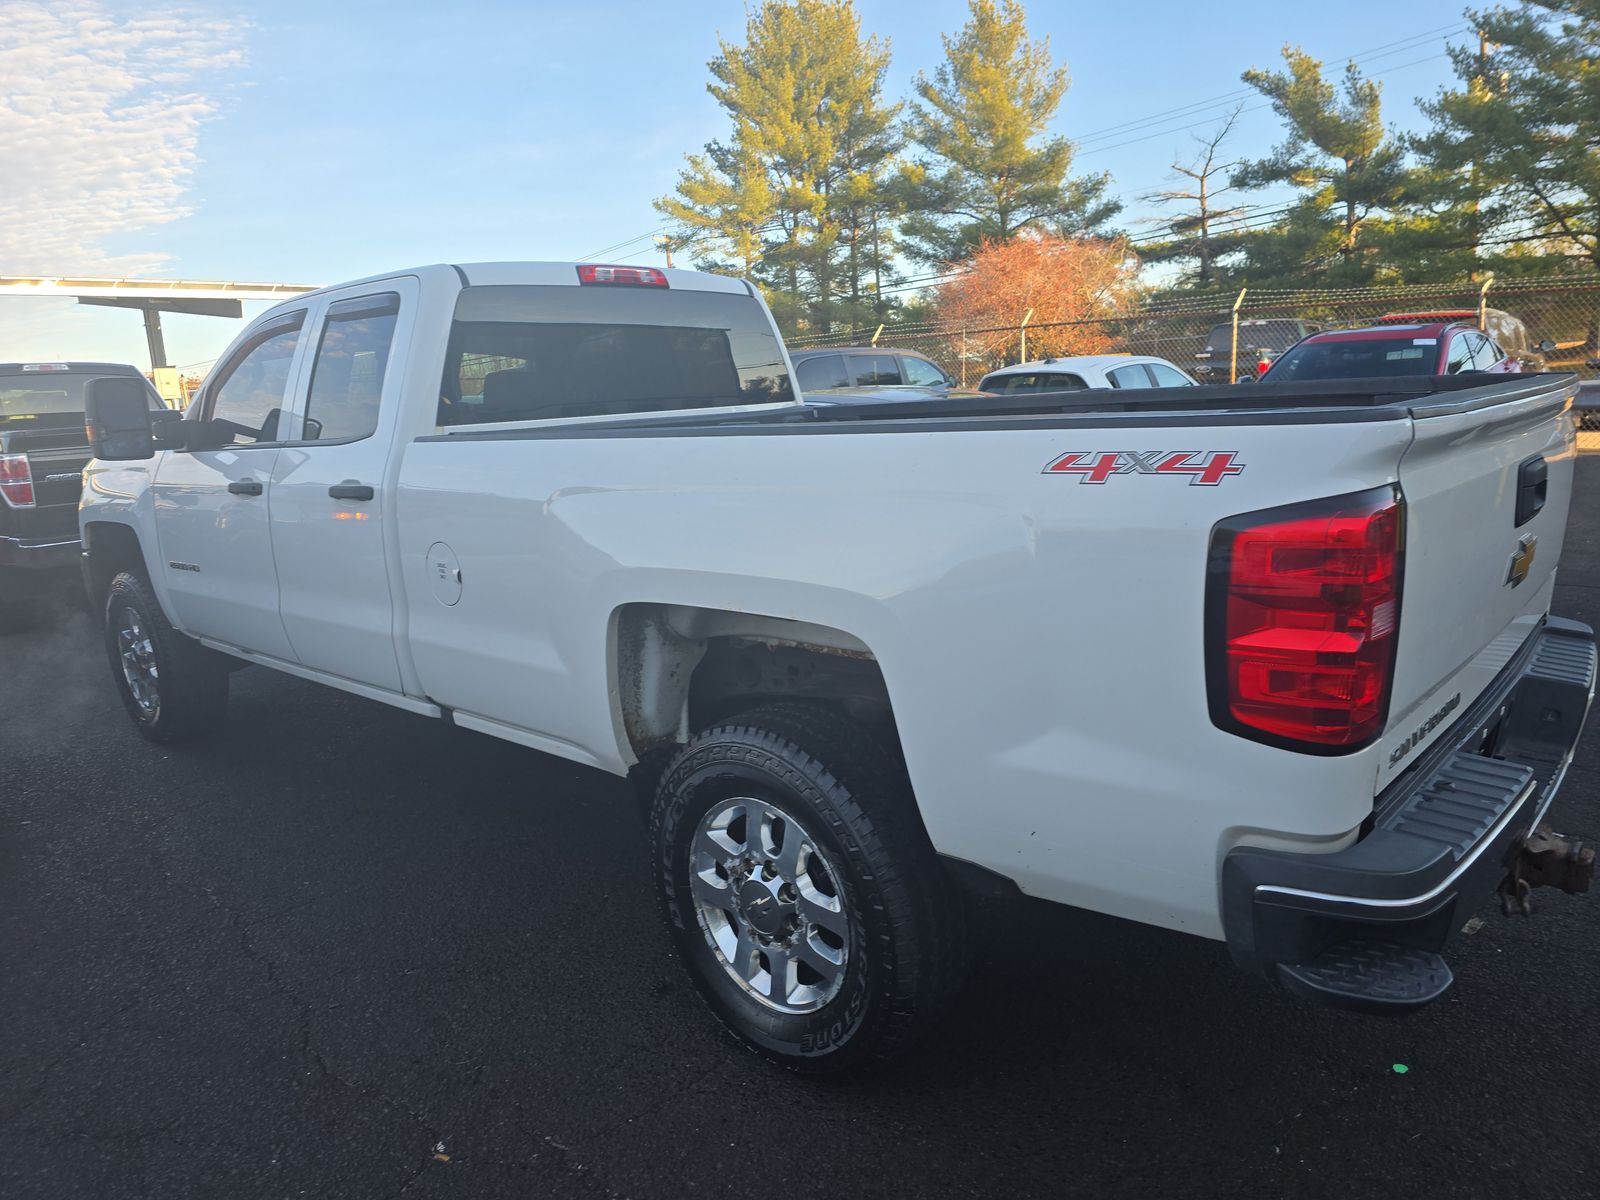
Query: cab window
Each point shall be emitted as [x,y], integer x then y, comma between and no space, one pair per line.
[1132,376]
[248,397]
[347,375]
[1169,376]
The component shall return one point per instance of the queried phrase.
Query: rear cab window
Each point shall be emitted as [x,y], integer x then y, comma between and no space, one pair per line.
[50,397]
[542,352]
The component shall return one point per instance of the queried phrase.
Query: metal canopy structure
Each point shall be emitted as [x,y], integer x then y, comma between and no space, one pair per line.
[152,297]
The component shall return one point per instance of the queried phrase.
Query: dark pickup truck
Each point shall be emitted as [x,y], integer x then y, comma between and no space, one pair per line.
[43,450]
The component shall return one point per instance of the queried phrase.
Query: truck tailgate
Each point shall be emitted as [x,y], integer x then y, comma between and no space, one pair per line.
[1486,487]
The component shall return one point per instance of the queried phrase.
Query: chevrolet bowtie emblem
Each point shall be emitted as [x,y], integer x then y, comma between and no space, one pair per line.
[1522,560]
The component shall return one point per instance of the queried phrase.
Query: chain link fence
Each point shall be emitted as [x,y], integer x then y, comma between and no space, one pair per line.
[1196,331]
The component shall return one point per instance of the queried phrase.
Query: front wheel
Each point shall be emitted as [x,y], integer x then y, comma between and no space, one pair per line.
[171,685]
[802,890]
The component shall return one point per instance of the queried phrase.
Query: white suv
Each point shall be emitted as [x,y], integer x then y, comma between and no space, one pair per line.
[1087,371]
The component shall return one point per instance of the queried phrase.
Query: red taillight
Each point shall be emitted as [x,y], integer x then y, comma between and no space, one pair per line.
[1303,608]
[627,276]
[16,480]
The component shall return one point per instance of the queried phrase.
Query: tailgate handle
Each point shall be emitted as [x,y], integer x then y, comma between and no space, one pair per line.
[1533,485]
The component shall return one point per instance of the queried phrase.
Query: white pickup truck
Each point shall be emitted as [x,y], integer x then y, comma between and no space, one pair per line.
[1268,665]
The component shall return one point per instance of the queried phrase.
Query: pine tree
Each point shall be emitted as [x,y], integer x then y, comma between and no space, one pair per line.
[992,170]
[1350,171]
[797,193]
[1520,139]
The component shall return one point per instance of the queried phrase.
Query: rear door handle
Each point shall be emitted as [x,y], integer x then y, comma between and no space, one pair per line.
[351,490]
[245,487]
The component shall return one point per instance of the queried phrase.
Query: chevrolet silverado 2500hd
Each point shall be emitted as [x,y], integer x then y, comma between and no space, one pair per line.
[1269,665]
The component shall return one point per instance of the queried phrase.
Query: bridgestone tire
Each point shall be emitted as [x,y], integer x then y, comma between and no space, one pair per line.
[193,681]
[907,951]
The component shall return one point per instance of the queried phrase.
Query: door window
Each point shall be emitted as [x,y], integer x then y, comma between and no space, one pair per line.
[875,370]
[922,373]
[1487,355]
[1460,354]
[247,399]
[1133,376]
[826,371]
[347,376]
[1168,376]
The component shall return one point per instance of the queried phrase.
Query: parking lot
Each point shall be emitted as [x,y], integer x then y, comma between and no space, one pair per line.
[344,951]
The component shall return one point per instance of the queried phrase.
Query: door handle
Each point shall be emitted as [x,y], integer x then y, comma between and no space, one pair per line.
[351,490]
[245,487]
[1533,485]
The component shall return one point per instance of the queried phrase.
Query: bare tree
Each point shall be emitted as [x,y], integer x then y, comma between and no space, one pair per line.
[1191,230]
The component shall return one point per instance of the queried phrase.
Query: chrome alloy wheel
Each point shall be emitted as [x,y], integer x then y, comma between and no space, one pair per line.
[770,904]
[138,658]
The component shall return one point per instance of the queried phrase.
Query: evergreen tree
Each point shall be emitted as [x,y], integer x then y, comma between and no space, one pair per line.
[993,171]
[1516,149]
[1350,171]
[798,195]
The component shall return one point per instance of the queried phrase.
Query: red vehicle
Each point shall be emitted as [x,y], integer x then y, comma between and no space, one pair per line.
[1425,348]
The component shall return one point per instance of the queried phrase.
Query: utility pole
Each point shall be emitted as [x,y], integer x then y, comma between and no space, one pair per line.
[665,243]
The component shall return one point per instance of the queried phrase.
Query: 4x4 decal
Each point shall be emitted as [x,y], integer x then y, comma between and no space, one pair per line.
[1205,468]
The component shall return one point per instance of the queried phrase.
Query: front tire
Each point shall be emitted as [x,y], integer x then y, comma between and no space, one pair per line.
[171,686]
[802,890]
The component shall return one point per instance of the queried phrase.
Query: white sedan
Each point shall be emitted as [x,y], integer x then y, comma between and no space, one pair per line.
[1087,371]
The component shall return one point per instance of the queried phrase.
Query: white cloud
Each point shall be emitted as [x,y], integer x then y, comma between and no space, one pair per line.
[100,116]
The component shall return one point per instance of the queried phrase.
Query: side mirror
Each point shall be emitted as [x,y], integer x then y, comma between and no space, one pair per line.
[117,418]
[1547,347]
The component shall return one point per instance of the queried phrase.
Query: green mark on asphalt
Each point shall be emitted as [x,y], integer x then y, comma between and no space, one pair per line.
[1401,1068]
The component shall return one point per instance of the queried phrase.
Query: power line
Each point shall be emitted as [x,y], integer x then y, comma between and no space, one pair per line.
[1375,52]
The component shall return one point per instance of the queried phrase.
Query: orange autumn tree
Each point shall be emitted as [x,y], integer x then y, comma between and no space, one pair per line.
[1073,286]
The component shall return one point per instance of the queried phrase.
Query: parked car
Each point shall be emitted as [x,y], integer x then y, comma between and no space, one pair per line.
[1084,371]
[43,450]
[1435,348]
[1504,330]
[1297,690]
[1260,341]
[836,367]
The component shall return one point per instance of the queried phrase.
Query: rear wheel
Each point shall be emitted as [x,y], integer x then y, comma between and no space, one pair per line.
[802,890]
[171,685]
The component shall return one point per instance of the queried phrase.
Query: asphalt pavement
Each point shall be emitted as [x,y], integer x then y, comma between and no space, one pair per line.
[342,951]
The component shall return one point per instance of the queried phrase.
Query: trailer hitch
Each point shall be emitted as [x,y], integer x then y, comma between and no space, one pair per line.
[1545,859]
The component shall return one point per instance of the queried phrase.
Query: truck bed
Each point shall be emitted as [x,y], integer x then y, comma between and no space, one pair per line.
[1225,404]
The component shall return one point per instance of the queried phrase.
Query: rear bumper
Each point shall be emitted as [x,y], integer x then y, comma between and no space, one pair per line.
[38,554]
[1441,836]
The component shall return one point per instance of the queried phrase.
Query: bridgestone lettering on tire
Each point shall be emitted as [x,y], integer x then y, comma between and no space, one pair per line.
[800,887]
[171,685]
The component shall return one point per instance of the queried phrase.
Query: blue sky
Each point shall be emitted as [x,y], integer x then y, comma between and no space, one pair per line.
[306,142]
